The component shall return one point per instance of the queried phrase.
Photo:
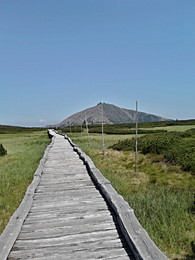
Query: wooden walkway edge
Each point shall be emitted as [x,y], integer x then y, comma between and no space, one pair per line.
[44,216]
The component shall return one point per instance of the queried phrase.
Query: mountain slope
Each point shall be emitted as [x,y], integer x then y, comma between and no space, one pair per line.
[112,115]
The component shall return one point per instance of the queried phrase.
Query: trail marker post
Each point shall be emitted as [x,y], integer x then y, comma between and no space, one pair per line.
[81,128]
[136,142]
[87,130]
[103,145]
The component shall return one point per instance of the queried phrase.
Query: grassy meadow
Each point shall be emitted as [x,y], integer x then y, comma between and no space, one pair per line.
[162,194]
[25,148]
[179,128]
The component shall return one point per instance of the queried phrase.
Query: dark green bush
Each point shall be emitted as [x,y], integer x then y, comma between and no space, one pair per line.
[123,131]
[72,129]
[4,129]
[155,143]
[175,149]
[188,133]
[125,145]
[2,150]
[183,154]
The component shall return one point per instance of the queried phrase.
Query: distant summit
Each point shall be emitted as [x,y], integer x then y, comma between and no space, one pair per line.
[112,115]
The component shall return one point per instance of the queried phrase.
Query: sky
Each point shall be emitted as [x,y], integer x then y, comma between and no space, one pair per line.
[58,57]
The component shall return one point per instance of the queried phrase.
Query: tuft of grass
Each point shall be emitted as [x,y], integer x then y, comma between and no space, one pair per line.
[166,214]
[24,150]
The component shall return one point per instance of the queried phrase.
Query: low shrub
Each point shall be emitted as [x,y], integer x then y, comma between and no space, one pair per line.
[175,149]
[5,129]
[125,145]
[182,154]
[189,133]
[155,143]
[117,131]
[158,143]
[2,150]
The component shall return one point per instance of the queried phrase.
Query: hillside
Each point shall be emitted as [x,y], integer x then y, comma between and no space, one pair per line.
[112,115]
[8,129]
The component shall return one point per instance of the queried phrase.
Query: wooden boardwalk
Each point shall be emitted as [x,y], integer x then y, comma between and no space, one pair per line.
[69,218]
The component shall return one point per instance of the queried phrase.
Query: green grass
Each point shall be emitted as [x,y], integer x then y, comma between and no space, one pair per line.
[161,194]
[95,139]
[24,151]
[166,215]
[180,128]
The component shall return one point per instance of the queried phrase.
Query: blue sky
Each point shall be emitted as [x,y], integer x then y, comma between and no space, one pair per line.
[58,57]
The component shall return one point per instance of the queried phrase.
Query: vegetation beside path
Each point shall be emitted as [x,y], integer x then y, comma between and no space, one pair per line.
[161,193]
[25,148]
[176,147]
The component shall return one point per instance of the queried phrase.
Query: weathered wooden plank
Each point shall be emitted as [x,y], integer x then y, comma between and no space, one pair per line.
[53,164]
[87,255]
[65,240]
[65,192]
[73,203]
[53,177]
[66,222]
[64,185]
[40,199]
[43,201]
[62,195]
[70,248]
[64,212]
[70,189]
[66,215]
[67,230]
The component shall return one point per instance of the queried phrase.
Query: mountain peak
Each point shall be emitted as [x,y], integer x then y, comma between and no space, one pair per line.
[111,115]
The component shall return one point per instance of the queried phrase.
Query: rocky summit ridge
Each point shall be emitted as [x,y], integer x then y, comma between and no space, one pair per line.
[111,115]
